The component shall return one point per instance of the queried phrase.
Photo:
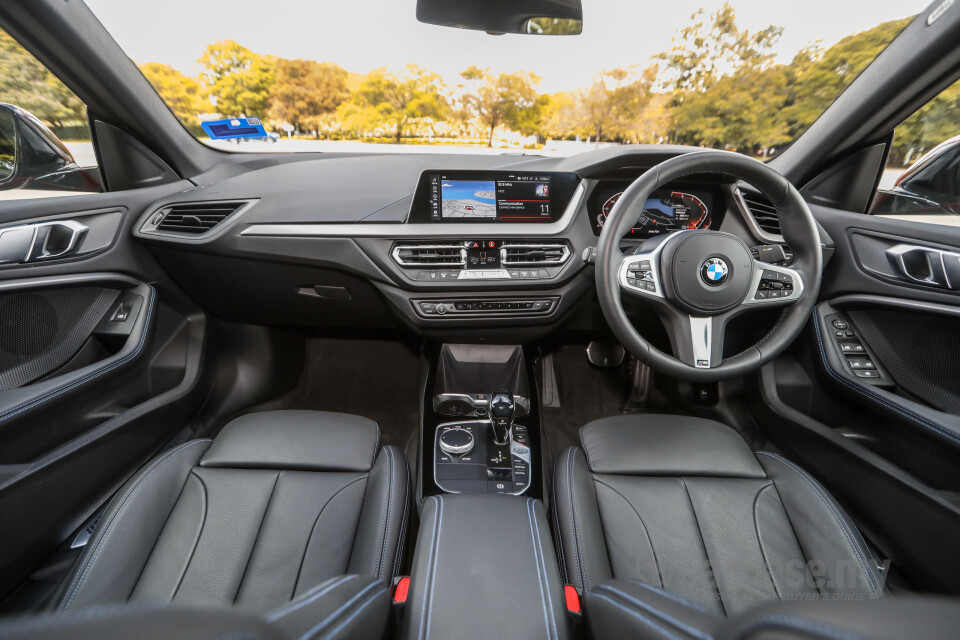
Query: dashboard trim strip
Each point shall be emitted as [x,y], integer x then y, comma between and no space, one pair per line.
[425,230]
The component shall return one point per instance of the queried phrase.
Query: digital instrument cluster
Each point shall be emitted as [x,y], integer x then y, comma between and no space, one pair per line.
[665,211]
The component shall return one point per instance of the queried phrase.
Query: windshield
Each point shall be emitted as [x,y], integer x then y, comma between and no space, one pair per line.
[747,76]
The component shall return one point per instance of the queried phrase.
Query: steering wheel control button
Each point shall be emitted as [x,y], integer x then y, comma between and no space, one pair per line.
[456,441]
[714,272]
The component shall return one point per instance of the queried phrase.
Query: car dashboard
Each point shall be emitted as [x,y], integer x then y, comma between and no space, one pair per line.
[450,247]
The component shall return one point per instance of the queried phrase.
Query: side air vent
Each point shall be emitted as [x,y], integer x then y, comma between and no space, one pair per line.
[764,213]
[440,254]
[533,253]
[191,220]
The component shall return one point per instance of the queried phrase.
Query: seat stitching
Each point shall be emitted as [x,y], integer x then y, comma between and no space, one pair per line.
[639,615]
[373,598]
[330,618]
[398,554]
[303,558]
[646,532]
[575,520]
[196,543]
[861,559]
[543,565]
[669,595]
[537,560]
[703,542]
[426,578]
[385,523]
[307,599]
[435,556]
[122,505]
[646,606]
[556,524]
[256,539]
[53,393]
[763,551]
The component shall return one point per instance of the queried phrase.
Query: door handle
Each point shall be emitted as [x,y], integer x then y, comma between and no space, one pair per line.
[40,241]
[927,266]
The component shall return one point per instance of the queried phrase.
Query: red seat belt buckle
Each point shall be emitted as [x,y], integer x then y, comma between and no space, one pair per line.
[401,590]
[572,598]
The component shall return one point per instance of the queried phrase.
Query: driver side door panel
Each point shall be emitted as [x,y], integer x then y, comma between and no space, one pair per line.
[871,398]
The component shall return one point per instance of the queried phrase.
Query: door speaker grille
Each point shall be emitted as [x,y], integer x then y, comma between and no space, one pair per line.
[41,330]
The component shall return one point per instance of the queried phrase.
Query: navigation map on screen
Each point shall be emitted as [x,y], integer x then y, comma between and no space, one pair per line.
[468,199]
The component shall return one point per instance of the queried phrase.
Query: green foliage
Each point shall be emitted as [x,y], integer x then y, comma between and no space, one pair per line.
[401,99]
[27,83]
[935,122]
[305,91]
[238,79]
[508,99]
[184,95]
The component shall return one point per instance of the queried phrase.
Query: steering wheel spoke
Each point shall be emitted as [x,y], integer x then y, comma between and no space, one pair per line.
[697,341]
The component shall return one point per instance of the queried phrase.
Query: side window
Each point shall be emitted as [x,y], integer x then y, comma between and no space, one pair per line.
[45,147]
[921,181]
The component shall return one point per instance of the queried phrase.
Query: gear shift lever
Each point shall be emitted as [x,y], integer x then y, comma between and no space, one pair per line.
[502,411]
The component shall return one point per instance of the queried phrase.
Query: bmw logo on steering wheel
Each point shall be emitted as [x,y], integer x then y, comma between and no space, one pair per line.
[714,272]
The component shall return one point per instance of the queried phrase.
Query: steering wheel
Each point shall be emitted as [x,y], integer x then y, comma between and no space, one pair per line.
[699,280]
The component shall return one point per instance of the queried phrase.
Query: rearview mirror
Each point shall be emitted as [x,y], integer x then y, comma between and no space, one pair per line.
[529,17]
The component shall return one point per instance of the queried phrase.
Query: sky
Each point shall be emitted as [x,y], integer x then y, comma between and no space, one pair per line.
[361,35]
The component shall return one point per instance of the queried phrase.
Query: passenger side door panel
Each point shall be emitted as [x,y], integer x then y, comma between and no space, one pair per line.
[100,365]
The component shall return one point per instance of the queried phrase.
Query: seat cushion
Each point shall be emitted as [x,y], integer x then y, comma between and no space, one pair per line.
[251,520]
[683,505]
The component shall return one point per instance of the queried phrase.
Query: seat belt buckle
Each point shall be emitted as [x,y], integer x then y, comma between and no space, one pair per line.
[571,596]
[399,593]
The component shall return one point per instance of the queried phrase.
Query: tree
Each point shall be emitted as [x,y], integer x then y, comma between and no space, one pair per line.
[400,99]
[560,118]
[612,104]
[508,99]
[25,82]
[239,79]
[818,76]
[304,91]
[183,94]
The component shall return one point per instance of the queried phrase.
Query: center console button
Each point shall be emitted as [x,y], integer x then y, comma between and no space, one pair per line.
[441,308]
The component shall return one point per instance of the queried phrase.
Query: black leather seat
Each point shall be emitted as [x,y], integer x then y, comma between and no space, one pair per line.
[682,504]
[279,503]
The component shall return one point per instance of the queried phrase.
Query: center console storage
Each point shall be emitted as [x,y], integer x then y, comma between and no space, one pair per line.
[484,568]
[481,430]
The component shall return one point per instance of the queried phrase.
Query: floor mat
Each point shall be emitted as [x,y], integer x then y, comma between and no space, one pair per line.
[586,393]
[376,379]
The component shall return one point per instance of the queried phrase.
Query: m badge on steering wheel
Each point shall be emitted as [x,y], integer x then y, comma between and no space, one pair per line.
[714,272]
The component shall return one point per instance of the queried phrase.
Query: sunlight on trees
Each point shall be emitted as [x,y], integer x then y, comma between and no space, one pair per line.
[718,85]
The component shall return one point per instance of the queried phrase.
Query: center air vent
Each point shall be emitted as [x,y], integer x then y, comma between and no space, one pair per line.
[440,254]
[191,218]
[762,211]
[534,253]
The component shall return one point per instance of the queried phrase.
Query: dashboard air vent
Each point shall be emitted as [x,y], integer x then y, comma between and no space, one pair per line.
[195,218]
[763,212]
[534,253]
[441,254]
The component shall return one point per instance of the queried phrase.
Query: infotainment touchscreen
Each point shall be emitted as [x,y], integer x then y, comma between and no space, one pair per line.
[518,198]
[473,196]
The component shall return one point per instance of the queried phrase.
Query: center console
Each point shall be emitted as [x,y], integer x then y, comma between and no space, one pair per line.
[481,431]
